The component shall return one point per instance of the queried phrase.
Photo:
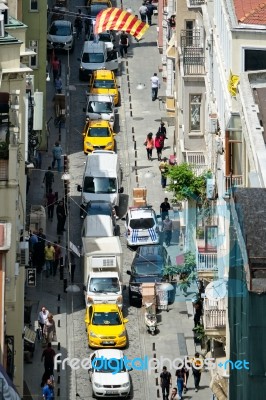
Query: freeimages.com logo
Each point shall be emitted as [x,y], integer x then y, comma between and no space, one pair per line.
[115,365]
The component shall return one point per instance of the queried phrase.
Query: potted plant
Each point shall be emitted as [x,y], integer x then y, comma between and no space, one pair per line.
[200,335]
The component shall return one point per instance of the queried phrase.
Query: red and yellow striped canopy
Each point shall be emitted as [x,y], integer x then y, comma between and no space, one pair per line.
[118,20]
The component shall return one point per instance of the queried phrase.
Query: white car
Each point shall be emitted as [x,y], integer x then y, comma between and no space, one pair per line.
[108,375]
[105,37]
[61,35]
[141,226]
[100,106]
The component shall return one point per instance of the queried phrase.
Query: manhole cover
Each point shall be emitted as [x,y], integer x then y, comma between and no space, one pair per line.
[138,118]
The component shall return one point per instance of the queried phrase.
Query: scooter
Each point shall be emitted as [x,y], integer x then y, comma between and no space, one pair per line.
[150,319]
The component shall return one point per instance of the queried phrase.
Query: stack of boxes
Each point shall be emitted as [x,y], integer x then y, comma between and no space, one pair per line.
[139,197]
[149,295]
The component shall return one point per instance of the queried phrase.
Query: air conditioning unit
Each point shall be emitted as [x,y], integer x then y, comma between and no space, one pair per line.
[213,125]
[219,146]
[24,253]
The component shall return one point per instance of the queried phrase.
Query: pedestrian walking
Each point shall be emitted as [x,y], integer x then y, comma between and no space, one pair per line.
[164,208]
[48,390]
[155,86]
[78,24]
[123,44]
[49,330]
[187,366]
[163,167]
[149,143]
[180,379]
[165,382]
[143,12]
[159,143]
[57,258]
[72,265]
[49,254]
[196,370]
[33,240]
[167,229]
[48,179]
[57,154]
[198,312]
[48,356]
[162,130]
[61,217]
[51,199]
[150,9]
[42,317]
[56,66]
[38,251]
[58,84]
[174,395]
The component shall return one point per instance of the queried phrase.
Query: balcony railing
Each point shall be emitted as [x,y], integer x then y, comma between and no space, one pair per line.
[192,51]
[232,181]
[195,3]
[214,314]
[197,160]
[206,262]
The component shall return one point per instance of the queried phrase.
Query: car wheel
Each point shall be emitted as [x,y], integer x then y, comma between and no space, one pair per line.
[117,230]
[93,395]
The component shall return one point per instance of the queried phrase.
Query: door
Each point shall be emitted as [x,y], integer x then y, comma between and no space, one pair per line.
[113,60]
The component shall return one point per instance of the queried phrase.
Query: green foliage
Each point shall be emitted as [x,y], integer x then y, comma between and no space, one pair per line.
[185,185]
[200,332]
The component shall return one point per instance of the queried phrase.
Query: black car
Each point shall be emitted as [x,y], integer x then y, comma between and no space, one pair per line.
[147,267]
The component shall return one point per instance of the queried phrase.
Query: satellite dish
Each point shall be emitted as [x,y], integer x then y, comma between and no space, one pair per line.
[216,290]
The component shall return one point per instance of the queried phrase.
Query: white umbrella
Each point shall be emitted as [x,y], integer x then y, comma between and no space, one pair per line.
[72,289]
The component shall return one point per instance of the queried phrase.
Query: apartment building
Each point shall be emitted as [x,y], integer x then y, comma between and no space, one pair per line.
[216,55]
[13,248]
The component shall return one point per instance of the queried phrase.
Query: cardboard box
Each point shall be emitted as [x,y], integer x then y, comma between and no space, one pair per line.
[139,193]
[139,203]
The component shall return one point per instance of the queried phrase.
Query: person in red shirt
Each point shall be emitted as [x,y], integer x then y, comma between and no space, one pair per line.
[56,67]
[50,202]
[159,143]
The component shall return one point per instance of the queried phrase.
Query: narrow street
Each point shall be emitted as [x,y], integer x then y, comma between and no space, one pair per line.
[137,116]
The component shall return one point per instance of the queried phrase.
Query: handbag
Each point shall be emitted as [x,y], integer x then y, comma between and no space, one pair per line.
[145,143]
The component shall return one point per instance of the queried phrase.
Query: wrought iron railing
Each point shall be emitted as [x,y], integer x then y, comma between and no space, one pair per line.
[232,181]
[214,314]
[196,2]
[206,262]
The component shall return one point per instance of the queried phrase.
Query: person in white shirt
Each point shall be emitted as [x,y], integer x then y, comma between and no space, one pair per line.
[42,317]
[155,85]
[143,12]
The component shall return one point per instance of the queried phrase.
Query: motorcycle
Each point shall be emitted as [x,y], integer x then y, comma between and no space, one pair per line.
[150,319]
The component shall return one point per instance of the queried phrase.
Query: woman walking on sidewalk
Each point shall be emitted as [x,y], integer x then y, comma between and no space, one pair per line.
[49,330]
[149,143]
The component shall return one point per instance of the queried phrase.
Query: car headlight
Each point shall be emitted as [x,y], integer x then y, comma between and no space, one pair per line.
[98,385]
[123,333]
[119,300]
[92,334]
[111,119]
[89,144]
[125,385]
[109,144]
[82,68]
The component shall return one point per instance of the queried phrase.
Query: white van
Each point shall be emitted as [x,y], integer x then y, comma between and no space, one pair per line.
[97,226]
[95,56]
[102,178]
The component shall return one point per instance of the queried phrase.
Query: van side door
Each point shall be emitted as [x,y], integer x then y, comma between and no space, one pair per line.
[113,60]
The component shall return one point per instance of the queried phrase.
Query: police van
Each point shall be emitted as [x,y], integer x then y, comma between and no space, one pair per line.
[141,226]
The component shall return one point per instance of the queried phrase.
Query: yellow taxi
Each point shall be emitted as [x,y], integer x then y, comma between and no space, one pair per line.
[107,2]
[98,135]
[103,81]
[105,326]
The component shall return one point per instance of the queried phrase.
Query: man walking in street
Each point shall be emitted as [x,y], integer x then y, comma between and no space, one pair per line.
[196,370]
[163,167]
[167,229]
[143,12]
[49,254]
[150,9]
[61,217]
[48,356]
[42,317]
[48,390]
[155,86]
[50,203]
[57,154]
[123,44]
[164,208]
[56,67]
[57,257]
[48,179]
[166,382]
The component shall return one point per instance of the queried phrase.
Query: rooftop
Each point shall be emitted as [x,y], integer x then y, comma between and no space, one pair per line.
[251,12]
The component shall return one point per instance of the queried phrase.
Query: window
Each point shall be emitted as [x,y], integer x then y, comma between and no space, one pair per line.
[33,5]
[189,32]
[233,147]
[195,112]
[33,62]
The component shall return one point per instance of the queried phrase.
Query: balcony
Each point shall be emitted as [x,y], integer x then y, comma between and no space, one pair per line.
[232,181]
[193,52]
[214,317]
[197,160]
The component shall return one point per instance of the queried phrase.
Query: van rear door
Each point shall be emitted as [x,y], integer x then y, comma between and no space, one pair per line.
[113,60]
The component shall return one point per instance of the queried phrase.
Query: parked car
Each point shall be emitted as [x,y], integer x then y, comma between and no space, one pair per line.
[100,106]
[98,135]
[105,326]
[110,378]
[100,207]
[106,37]
[61,36]
[147,267]
[107,2]
[94,9]
[104,82]
[141,226]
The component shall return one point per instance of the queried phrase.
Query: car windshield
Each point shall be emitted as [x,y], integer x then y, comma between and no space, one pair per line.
[102,37]
[60,30]
[110,366]
[93,58]
[110,318]
[103,285]
[142,223]
[98,132]
[99,107]
[147,268]
[99,185]
[106,84]
[95,9]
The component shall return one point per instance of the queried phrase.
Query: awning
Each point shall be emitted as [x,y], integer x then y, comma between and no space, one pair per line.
[171,49]
[8,389]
